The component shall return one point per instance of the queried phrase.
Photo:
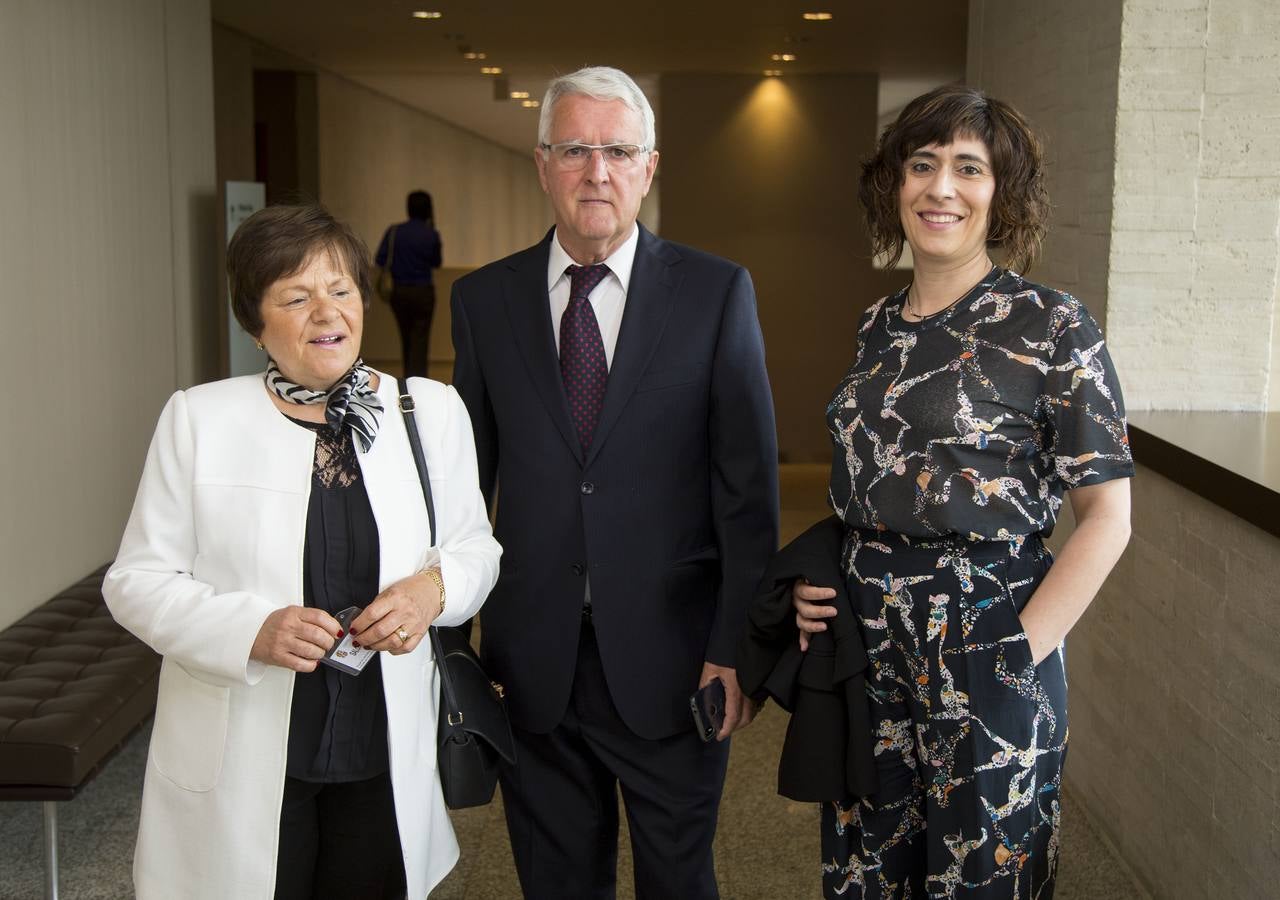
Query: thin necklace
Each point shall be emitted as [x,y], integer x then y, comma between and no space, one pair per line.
[920,317]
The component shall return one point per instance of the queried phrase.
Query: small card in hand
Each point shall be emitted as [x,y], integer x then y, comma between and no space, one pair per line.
[343,655]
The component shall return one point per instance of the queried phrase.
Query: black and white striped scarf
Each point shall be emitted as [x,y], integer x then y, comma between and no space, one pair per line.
[351,401]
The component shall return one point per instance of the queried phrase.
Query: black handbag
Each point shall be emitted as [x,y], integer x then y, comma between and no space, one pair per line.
[473,734]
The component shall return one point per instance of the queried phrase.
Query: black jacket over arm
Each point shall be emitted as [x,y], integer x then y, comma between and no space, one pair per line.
[828,753]
[672,513]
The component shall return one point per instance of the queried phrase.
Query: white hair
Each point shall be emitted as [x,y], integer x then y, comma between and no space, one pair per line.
[599,83]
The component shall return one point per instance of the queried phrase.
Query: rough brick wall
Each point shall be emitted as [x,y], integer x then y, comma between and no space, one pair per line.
[1195,245]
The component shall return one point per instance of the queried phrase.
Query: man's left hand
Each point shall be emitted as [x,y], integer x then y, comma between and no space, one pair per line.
[739,709]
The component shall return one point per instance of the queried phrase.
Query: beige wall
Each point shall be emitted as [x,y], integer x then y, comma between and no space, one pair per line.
[764,171]
[1058,68]
[104,245]
[373,150]
[1196,247]
[1175,699]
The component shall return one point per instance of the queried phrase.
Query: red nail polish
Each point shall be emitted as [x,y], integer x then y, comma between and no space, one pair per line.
[355,643]
[341,632]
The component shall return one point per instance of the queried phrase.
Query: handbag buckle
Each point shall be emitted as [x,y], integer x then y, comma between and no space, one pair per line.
[498,689]
[406,403]
[449,718]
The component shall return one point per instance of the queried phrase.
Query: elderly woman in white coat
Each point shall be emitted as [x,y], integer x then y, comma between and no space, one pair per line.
[269,505]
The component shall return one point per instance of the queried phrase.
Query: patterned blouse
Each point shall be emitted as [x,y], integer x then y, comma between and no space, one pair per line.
[974,421]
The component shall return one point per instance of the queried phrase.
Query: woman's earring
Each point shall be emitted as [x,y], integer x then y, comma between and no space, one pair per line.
[260,347]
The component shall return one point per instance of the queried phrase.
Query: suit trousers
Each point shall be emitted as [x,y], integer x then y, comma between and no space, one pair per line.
[414,305]
[562,809]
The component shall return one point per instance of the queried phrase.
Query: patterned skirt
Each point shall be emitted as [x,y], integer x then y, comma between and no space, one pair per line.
[971,736]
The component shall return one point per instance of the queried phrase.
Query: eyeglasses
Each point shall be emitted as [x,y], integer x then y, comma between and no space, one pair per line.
[573,156]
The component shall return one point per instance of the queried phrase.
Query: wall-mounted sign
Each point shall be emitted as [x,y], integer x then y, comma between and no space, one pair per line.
[244,198]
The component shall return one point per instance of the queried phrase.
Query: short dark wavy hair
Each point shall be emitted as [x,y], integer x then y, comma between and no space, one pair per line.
[1020,209]
[276,242]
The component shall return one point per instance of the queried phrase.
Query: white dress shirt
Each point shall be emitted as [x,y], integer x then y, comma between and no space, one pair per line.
[607,299]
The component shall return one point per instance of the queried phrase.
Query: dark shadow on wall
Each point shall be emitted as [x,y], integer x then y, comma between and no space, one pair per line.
[286,137]
[200,214]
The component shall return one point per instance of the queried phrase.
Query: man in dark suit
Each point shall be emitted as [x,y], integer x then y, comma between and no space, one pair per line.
[617,389]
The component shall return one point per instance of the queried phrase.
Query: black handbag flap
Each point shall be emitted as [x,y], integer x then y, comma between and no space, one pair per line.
[480,710]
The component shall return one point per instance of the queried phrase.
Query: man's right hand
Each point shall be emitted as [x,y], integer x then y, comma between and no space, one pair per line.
[807,599]
[295,637]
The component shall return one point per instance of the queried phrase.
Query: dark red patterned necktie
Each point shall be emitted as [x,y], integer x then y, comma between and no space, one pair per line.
[582,362]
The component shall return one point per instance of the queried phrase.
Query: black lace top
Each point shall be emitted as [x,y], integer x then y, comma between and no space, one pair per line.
[974,421]
[338,724]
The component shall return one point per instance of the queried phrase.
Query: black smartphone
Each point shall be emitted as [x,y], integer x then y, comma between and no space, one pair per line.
[707,705]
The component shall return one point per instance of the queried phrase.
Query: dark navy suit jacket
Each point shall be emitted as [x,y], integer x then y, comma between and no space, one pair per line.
[672,514]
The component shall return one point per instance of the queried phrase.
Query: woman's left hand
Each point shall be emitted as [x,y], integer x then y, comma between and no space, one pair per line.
[407,607]
[1101,532]
[1040,647]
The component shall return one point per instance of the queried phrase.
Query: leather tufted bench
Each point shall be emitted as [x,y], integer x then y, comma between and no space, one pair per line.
[74,686]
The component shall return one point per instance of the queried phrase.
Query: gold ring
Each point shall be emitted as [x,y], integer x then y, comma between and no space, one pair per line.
[402,634]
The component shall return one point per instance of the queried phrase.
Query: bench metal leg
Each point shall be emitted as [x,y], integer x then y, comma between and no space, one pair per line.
[51,850]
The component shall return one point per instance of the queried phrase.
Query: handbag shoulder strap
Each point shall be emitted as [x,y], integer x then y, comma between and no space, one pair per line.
[452,712]
[407,408]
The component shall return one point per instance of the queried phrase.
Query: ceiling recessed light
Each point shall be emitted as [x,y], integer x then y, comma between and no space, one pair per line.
[530,104]
[427,14]
[491,70]
[818,17]
[783,57]
[472,55]
[519,95]
[772,73]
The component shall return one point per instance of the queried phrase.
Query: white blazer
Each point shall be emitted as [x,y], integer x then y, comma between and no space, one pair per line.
[214,545]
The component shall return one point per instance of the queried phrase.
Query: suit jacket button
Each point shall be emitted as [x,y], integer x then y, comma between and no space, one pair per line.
[588,487]
[577,568]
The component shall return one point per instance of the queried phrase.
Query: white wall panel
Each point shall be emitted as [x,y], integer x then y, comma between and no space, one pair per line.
[88,170]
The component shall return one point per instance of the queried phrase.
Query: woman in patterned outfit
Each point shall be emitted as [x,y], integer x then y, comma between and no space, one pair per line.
[976,400]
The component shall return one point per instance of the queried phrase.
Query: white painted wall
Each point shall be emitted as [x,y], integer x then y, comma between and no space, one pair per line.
[1196,243]
[106,170]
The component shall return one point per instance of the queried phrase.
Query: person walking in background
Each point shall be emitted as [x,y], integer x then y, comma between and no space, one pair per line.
[269,505]
[617,388]
[409,252]
[977,398]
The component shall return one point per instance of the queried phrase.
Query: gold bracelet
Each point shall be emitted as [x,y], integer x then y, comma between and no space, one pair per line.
[434,574]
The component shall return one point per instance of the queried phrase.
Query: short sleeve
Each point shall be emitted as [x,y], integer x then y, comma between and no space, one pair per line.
[1088,442]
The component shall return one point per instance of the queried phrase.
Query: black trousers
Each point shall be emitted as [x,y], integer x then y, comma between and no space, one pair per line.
[562,809]
[339,841]
[971,735]
[413,306]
